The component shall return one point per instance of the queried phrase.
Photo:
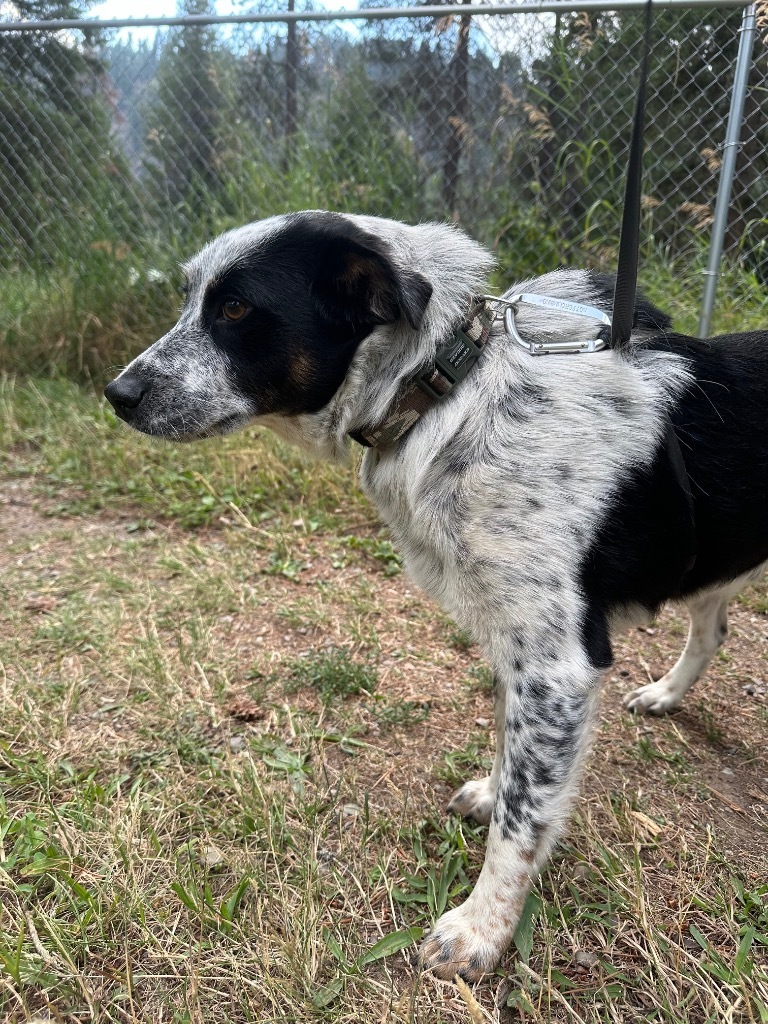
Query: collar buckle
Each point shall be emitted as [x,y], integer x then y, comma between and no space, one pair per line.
[453,361]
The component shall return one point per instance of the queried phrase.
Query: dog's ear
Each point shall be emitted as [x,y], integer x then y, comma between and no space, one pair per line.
[358,282]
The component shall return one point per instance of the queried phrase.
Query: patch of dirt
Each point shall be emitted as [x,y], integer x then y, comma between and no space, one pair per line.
[705,766]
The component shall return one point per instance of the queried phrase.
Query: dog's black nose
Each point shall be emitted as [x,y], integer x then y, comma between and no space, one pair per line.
[124,393]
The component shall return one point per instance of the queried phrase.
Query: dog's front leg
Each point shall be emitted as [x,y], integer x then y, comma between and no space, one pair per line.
[475,798]
[548,721]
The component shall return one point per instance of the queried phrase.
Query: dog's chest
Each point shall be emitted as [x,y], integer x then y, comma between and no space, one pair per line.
[426,529]
[502,498]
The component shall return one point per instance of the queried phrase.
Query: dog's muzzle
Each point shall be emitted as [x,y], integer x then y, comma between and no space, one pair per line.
[125,394]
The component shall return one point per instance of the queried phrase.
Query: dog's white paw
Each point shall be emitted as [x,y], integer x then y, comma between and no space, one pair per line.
[654,699]
[474,800]
[461,944]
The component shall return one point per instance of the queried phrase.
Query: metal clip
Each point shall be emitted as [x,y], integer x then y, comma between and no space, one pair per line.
[542,348]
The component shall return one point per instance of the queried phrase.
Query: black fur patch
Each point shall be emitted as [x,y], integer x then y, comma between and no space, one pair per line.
[315,290]
[640,554]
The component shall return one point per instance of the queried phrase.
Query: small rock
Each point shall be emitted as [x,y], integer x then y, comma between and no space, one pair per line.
[210,856]
[483,722]
[236,743]
[727,771]
[586,960]
[580,872]
[348,814]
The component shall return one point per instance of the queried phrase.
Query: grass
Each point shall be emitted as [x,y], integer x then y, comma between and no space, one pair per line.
[92,314]
[228,730]
[83,463]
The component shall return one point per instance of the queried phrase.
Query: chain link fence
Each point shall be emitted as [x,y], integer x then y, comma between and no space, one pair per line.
[133,147]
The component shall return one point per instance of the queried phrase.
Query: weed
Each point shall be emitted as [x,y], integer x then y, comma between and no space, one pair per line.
[754,599]
[458,764]
[396,714]
[380,550]
[646,750]
[334,673]
[440,875]
[713,729]
[459,638]
[481,679]
[279,758]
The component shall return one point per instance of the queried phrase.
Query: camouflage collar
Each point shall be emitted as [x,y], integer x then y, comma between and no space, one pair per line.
[453,361]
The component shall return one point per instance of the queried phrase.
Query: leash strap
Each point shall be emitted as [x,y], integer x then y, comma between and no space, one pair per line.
[623,317]
[629,241]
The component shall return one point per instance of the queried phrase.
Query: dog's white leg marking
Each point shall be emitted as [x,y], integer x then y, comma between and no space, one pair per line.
[708,629]
[549,713]
[475,799]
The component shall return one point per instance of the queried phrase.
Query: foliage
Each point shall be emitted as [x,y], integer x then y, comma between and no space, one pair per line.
[335,674]
[60,168]
[117,161]
[185,121]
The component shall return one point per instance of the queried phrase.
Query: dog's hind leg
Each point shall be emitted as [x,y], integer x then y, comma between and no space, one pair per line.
[475,799]
[708,629]
[548,718]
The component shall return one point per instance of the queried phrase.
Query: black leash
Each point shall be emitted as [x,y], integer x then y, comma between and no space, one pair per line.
[623,316]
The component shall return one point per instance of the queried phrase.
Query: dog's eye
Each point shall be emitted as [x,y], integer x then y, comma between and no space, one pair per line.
[234,309]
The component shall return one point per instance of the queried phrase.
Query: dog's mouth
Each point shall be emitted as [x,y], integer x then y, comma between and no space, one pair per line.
[186,429]
[171,418]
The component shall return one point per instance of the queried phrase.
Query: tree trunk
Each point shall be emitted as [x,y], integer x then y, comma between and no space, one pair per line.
[458,120]
[291,75]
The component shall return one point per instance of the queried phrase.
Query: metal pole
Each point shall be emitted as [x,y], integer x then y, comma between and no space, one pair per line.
[366,14]
[730,152]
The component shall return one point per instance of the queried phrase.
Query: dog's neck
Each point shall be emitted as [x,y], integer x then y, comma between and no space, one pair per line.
[457,269]
[455,358]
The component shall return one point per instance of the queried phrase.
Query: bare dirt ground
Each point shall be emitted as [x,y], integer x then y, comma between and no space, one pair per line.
[117,635]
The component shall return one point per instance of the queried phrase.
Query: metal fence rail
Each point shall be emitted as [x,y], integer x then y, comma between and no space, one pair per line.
[511,120]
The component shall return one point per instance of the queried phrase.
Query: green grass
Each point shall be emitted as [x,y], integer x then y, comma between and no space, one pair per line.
[81,460]
[334,673]
[92,314]
[228,730]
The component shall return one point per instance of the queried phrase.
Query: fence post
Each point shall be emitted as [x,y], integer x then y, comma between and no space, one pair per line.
[730,152]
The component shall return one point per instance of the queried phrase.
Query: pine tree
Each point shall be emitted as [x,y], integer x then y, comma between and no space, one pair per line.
[185,130]
[55,144]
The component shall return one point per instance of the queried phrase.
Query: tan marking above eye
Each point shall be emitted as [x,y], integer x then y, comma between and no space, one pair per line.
[234,309]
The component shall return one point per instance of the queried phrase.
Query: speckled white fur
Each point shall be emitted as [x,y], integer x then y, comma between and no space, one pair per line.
[493,499]
[503,567]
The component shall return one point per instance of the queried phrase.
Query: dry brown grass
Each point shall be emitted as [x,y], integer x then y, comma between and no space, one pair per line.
[203,820]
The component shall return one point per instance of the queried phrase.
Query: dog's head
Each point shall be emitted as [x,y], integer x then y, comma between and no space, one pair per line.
[273,315]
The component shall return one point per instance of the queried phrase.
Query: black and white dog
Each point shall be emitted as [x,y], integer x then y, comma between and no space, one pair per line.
[539,500]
